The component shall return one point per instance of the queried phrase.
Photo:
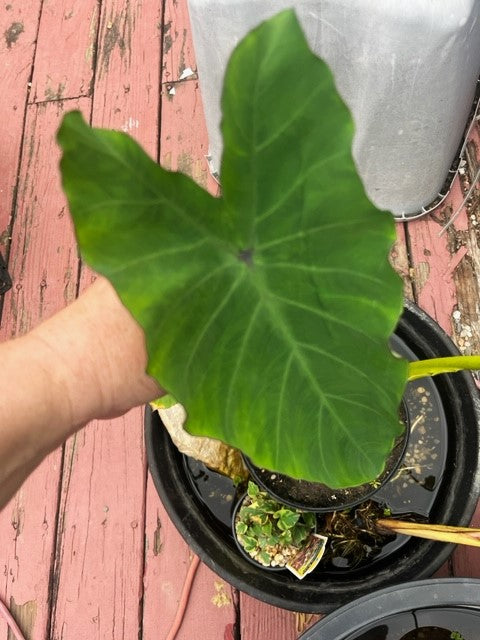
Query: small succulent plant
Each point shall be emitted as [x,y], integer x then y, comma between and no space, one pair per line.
[270,532]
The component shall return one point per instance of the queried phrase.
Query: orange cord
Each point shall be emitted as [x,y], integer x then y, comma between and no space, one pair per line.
[13,626]
[182,605]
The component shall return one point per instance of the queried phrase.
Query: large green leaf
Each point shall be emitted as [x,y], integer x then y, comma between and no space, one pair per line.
[267,311]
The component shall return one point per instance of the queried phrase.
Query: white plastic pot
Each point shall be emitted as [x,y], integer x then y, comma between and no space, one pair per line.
[407,70]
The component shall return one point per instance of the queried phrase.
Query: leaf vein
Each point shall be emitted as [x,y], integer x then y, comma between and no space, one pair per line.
[345,363]
[213,317]
[305,233]
[283,386]
[303,176]
[239,359]
[319,269]
[323,314]
[157,254]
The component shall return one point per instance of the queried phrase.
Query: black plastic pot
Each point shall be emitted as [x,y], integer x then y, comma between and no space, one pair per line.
[239,546]
[244,553]
[441,602]
[454,502]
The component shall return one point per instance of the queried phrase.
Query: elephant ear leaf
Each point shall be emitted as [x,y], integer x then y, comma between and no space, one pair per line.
[267,311]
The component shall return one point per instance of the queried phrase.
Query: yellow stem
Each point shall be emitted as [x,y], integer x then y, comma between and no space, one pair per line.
[434,366]
[444,533]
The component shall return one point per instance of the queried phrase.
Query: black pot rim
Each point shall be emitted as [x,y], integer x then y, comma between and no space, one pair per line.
[419,558]
[420,594]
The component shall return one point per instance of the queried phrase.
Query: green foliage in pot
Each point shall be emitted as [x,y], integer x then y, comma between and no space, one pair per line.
[267,311]
[270,532]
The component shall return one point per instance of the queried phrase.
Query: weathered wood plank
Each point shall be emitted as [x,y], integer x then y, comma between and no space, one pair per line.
[100,554]
[260,620]
[400,262]
[210,612]
[18,24]
[43,263]
[466,273]
[68,27]
[27,523]
[166,564]
[445,268]
[184,142]
[128,70]
[97,581]
[43,256]
[43,259]
[178,51]
[435,259]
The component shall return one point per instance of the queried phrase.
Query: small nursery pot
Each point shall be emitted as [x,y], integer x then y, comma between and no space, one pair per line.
[304,526]
[451,494]
[316,497]
[440,607]
[244,553]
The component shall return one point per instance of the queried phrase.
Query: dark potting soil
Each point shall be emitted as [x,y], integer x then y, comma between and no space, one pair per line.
[446,623]
[313,495]
[412,489]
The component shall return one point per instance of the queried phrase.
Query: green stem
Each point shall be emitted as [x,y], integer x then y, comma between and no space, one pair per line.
[421,368]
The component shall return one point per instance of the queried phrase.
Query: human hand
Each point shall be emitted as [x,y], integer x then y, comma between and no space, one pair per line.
[97,356]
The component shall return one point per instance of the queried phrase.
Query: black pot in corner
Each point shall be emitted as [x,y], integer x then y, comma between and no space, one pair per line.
[453,495]
[439,607]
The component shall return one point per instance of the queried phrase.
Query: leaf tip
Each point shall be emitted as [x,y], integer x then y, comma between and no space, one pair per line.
[71,120]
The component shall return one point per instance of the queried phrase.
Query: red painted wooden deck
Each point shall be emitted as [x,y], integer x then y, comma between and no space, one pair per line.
[86,549]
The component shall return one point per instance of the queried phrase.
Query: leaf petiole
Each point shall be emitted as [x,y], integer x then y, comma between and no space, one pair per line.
[434,366]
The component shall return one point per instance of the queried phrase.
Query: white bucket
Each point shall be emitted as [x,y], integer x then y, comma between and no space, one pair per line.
[407,70]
